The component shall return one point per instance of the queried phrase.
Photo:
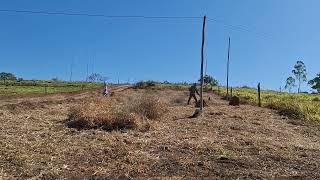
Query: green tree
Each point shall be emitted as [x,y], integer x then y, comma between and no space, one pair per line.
[55,79]
[315,83]
[300,71]
[95,77]
[7,76]
[290,83]
[209,80]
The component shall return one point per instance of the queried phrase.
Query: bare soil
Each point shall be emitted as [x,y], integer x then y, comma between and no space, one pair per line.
[226,142]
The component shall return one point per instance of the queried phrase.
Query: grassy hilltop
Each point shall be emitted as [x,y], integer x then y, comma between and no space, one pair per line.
[42,86]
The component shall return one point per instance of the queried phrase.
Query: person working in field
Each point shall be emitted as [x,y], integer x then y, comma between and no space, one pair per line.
[193,90]
[105,91]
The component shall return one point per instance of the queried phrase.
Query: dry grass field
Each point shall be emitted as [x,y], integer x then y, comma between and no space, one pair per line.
[155,139]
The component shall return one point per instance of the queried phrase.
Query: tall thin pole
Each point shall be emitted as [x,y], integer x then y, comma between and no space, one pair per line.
[87,73]
[205,72]
[202,54]
[228,62]
[71,69]
[92,68]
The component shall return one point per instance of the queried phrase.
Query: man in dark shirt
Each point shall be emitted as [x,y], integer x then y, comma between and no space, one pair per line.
[193,90]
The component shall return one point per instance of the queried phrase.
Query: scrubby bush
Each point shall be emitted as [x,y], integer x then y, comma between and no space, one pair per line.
[144,84]
[316,99]
[109,115]
[101,113]
[149,107]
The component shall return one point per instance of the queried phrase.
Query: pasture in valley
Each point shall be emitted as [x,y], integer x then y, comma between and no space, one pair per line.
[14,87]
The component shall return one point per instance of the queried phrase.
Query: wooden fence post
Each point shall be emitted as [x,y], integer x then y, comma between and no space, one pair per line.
[202,58]
[46,89]
[259,94]
[228,62]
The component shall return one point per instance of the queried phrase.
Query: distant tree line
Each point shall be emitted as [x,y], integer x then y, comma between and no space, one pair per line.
[300,76]
[4,76]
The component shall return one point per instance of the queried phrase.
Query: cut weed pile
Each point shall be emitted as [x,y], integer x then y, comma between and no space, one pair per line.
[109,114]
[148,106]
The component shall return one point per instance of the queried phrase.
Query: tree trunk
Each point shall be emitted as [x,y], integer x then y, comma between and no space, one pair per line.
[299,85]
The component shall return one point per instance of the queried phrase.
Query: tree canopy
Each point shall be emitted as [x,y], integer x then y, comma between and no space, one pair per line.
[209,80]
[300,71]
[315,83]
[97,77]
[7,76]
[290,83]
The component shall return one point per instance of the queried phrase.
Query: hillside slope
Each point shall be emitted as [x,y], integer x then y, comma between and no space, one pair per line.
[227,142]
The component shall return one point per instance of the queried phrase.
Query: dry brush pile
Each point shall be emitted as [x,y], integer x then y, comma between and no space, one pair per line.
[109,114]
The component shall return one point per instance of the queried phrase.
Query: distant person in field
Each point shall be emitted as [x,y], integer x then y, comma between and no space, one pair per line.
[193,91]
[105,91]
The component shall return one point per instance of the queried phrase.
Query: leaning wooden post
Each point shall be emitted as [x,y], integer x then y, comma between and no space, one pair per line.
[259,94]
[202,54]
[228,62]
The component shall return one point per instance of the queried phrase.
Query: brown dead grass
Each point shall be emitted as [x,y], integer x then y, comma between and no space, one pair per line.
[227,142]
[148,106]
[110,114]
[102,113]
[22,106]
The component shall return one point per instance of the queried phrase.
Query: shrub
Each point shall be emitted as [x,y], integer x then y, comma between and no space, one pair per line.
[246,87]
[316,99]
[150,83]
[139,85]
[145,85]
[104,114]
[149,107]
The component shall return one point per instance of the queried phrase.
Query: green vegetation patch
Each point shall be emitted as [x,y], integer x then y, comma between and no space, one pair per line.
[13,87]
[301,106]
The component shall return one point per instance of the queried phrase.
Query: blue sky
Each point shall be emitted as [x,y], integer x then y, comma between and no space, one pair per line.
[278,33]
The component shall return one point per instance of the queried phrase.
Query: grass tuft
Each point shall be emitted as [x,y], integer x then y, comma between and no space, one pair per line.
[292,110]
[149,107]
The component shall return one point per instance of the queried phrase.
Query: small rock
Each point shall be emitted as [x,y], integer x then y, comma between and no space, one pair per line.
[234,101]
[198,104]
[196,114]
[200,163]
